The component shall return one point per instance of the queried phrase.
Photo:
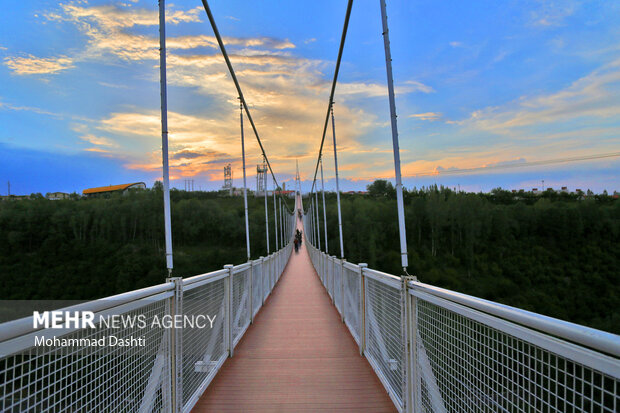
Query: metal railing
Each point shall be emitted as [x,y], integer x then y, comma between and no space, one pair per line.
[436,350]
[168,374]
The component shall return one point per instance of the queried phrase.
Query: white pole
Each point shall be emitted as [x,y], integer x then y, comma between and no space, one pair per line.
[310,229]
[275,215]
[164,133]
[399,183]
[318,225]
[337,183]
[281,229]
[245,189]
[266,213]
[324,213]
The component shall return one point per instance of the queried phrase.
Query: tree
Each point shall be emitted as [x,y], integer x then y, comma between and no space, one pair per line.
[382,188]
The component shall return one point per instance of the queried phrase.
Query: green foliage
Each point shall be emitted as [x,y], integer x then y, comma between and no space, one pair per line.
[554,254]
[90,248]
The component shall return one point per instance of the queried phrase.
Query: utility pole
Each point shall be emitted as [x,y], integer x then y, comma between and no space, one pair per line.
[396,149]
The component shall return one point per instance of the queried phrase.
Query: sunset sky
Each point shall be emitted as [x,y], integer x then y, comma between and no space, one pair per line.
[519,91]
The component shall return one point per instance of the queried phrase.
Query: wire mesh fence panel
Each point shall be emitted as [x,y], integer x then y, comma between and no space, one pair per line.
[73,376]
[468,366]
[352,300]
[257,282]
[329,279]
[204,346]
[266,277]
[338,285]
[384,341]
[240,302]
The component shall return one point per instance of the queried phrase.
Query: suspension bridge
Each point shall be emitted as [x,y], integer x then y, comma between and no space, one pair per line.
[304,331]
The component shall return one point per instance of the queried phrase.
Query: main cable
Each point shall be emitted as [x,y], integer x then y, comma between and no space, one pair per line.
[240,93]
[333,89]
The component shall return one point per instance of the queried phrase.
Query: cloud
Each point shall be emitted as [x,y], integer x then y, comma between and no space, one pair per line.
[193,42]
[415,86]
[379,90]
[112,16]
[552,12]
[505,163]
[97,149]
[593,96]
[32,65]
[199,153]
[431,116]
[99,141]
[456,44]
[9,106]
[287,95]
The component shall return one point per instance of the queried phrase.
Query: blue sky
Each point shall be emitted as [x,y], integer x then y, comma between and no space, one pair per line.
[498,87]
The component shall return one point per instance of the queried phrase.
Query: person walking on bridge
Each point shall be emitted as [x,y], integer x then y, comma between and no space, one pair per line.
[298,236]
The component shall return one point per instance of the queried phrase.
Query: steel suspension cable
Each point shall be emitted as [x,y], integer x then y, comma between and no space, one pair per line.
[333,89]
[240,93]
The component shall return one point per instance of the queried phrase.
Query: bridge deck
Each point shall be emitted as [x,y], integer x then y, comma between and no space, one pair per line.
[297,356]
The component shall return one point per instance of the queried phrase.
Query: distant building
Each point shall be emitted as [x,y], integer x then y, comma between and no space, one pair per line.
[55,196]
[535,191]
[290,194]
[565,190]
[106,190]
[14,197]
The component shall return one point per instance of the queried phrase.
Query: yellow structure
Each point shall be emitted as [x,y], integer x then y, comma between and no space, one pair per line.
[123,188]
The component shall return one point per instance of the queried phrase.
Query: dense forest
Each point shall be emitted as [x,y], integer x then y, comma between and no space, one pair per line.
[557,254]
[90,248]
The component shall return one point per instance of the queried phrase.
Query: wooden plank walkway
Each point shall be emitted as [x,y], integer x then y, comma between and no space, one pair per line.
[298,356]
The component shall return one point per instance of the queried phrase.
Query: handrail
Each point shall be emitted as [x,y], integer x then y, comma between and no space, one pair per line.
[228,295]
[202,277]
[586,336]
[23,326]
[433,348]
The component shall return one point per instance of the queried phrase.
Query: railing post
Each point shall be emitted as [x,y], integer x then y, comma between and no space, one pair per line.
[228,291]
[362,308]
[251,292]
[323,266]
[407,365]
[413,392]
[342,261]
[272,274]
[262,281]
[176,347]
[333,290]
